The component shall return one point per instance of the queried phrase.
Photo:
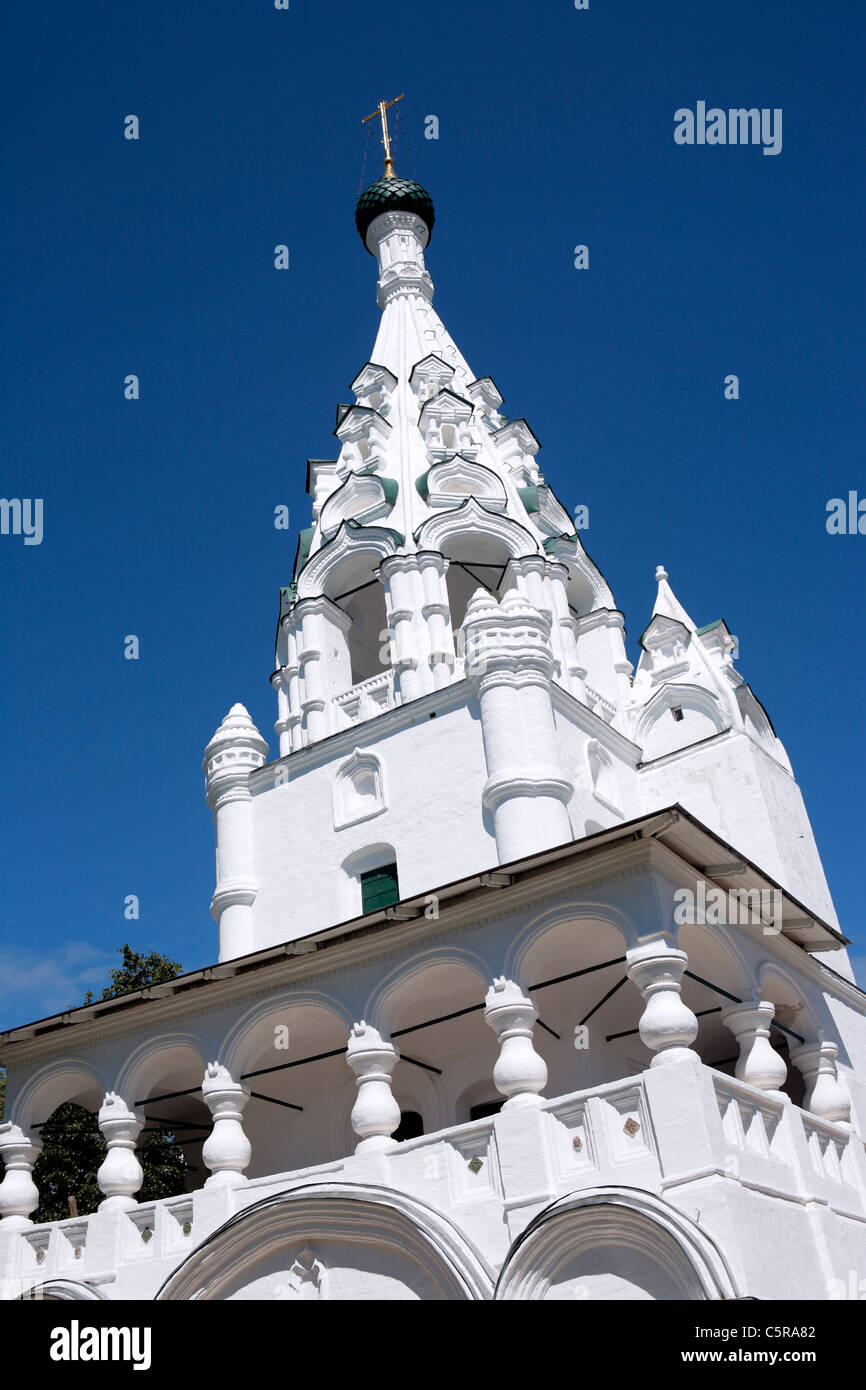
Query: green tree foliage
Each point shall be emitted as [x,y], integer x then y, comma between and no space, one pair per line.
[136,972]
[73,1147]
[72,1150]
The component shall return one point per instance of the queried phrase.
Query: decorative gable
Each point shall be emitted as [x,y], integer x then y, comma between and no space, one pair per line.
[458,478]
[484,394]
[430,376]
[364,434]
[546,510]
[676,717]
[444,425]
[666,643]
[363,497]
[374,386]
[517,447]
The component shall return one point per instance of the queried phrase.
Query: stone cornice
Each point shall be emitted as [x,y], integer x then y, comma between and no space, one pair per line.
[592,724]
[600,617]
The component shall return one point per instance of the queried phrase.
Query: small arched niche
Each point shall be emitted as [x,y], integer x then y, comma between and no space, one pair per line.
[359,790]
[603,776]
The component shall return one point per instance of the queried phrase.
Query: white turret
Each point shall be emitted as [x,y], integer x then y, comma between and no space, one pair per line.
[235,750]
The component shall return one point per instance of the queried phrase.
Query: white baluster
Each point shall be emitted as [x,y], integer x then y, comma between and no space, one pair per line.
[667,1027]
[19,1195]
[376,1114]
[227,1149]
[121,1174]
[826,1092]
[758,1063]
[520,1073]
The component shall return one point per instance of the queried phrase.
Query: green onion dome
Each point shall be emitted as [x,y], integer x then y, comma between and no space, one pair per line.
[393,195]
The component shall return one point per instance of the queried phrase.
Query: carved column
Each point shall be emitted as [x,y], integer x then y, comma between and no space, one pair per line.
[437,615]
[375,1114]
[292,683]
[601,646]
[519,1073]
[412,676]
[564,630]
[227,1149]
[285,682]
[121,1174]
[826,1092]
[19,1195]
[667,1027]
[759,1063]
[324,667]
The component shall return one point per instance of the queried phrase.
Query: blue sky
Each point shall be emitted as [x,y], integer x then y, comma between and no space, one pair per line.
[155,257]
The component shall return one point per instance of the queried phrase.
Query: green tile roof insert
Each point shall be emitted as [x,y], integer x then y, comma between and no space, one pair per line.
[529,497]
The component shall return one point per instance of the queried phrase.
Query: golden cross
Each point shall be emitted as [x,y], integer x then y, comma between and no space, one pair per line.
[386,138]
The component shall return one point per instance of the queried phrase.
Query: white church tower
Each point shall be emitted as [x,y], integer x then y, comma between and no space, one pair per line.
[451,674]
[530,985]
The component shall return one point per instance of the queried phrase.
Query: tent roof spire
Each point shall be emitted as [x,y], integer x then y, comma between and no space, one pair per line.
[667,605]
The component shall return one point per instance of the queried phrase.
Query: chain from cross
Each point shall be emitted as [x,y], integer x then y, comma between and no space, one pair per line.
[381,112]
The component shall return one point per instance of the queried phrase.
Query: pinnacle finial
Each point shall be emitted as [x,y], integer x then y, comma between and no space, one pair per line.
[661,574]
[381,111]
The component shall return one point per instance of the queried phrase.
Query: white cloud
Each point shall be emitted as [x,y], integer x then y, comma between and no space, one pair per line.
[37,983]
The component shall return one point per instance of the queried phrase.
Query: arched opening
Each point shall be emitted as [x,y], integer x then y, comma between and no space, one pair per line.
[60,1106]
[292,1056]
[435,1015]
[613,1245]
[411,1126]
[176,1122]
[369,645]
[65,1171]
[485,1108]
[721,984]
[796,1027]
[475,561]
[334,1242]
[588,1010]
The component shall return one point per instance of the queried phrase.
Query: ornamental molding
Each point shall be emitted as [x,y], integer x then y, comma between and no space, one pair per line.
[387,222]
[457,477]
[358,792]
[471,517]
[321,1211]
[521,782]
[349,541]
[694,697]
[362,497]
[589,1220]
[599,617]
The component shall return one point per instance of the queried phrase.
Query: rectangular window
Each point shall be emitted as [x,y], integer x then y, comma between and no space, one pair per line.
[379,888]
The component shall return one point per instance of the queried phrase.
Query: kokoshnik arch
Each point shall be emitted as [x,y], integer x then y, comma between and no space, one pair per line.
[459,1041]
